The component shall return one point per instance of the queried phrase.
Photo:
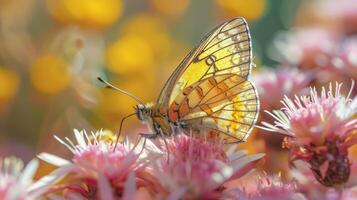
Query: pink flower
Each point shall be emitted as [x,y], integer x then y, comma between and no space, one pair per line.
[307,48]
[199,169]
[16,182]
[346,194]
[321,129]
[312,190]
[272,187]
[267,188]
[306,181]
[273,85]
[343,13]
[98,170]
[342,63]
[345,60]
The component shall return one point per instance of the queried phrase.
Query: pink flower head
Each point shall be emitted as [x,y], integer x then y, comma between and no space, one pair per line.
[308,186]
[345,60]
[267,188]
[277,83]
[321,129]
[97,169]
[272,187]
[199,169]
[307,48]
[343,13]
[345,194]
[273,85]
[16,182]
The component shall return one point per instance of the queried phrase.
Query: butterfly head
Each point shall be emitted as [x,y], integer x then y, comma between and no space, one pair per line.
[143,111]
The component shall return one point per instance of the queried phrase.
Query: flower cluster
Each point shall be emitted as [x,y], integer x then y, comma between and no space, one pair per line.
[200,169]
[102,168]
[321,129]
[99,168]
[16,182]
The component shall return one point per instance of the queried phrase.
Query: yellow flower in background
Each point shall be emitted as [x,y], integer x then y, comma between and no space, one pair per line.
[250,9]
[9,83]
[151,28]
[170,8]
[90,13]
[58,10]
[143,43]
[108,136]
[143,24]
[50,74]
[129,54]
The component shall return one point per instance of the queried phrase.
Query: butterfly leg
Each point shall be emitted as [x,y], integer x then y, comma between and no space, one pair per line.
[142,149]
[167,147]
[148,136]
[173,128]
[138,139]
[160,133]
[177,127]
[154,136]
[120,128]
[138,142]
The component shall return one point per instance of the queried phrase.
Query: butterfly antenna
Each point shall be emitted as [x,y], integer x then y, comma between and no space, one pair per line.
[110,86]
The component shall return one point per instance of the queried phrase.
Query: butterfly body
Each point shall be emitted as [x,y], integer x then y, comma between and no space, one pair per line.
[157,122]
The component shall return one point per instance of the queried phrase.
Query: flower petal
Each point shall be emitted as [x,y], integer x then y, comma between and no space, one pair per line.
[177,194]
[129,187]
[29,171]
[52,159]
[54,176]
[245,164]
[104,187]
[80,138]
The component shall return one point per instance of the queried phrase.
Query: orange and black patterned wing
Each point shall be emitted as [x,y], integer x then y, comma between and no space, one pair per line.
[224,106]
[210,90]
[225,50]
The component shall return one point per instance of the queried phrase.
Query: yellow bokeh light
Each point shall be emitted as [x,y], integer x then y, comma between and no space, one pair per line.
[152,29]
[129,54]
[250,9]
[50,74]
[170,7]
[90,13]
[9,83]
[143,24]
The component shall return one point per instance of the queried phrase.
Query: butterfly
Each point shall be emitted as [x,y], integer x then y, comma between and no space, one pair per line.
[209,91]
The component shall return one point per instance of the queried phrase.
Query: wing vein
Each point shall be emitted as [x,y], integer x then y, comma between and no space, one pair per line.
[207,48]
[221,48]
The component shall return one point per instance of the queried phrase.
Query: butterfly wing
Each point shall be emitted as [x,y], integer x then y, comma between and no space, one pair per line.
[226,106]
[210,89]
[226,49]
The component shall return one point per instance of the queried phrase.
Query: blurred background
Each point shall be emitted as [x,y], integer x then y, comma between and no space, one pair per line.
[51,52]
